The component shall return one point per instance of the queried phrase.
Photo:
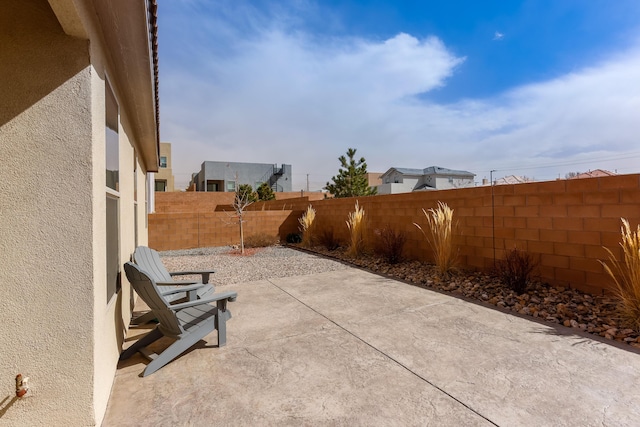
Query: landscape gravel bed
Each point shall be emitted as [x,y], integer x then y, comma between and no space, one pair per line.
[257,264]
[594,314]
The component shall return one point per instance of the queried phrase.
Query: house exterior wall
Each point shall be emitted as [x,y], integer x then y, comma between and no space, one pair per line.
[245,173]
[47,223]
[446,183]
[395,188]
[58,327]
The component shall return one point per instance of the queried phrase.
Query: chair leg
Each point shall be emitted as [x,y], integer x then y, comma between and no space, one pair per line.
[141,343]
[221,325]
[143,318]
[171,352]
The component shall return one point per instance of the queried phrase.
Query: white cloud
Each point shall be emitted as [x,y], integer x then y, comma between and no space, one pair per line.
[498,35]
[277,96]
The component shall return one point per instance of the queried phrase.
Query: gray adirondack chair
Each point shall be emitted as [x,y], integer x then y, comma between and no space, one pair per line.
[149,260]
[187,322]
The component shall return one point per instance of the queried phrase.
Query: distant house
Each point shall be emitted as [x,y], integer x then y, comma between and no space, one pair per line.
[228,176]
[512,179]
[164,180]
[592,174]
[405,180]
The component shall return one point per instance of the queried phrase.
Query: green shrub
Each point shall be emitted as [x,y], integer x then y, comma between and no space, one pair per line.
[265,192]
[246,193]
[515,270]
[390,244]
[626,275]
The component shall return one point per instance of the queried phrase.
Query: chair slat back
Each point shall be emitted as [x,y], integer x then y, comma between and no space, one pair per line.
[146,288]
[149,261]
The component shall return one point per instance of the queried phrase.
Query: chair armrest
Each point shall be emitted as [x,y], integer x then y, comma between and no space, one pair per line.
[231,296]
[204,273]
[181,289]
[179,283]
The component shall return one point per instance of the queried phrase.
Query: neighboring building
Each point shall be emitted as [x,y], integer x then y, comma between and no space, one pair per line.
[592,174]
[227,176]
[405,180]
[374,178]
[78,134]
[510,180]
[164,178]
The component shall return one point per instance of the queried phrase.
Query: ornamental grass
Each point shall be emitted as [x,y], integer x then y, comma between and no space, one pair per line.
[307,224]
[626,275]
[440,237]
[357,228]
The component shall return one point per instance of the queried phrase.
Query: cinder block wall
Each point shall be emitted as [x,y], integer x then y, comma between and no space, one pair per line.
[199,201]
[564,223]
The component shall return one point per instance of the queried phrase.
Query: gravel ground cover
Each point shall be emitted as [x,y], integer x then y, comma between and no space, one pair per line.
[256,264]
[594,314]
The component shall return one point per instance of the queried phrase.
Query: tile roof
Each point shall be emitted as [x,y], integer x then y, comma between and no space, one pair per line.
[593,174]
[431,170]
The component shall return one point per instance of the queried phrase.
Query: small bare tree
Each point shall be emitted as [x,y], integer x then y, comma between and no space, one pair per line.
[241,201]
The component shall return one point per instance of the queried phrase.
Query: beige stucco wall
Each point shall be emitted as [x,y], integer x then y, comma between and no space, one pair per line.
[46,272]
[57,327]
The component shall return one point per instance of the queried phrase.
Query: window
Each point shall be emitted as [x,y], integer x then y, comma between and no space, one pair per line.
[111,139]
[231,186]
[113,246]
[161,185]
[163,162]
[112,211]
[135,196]
[212,186]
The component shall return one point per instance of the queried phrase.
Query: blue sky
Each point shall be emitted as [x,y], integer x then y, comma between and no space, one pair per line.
[537,88]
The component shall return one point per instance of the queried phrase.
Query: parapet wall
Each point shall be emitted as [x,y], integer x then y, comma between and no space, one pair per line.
[563,223]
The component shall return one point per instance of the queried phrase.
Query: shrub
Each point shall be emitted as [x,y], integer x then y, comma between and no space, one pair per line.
[260,240]
[245,192]
[626,275]
[265,192]
[294,238]
[307,224]
[357,228]
[389,244]
[328,240]
[515,270]
[440,237]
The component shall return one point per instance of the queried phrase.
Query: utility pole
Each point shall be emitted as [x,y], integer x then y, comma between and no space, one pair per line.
[307,183]
[493,220]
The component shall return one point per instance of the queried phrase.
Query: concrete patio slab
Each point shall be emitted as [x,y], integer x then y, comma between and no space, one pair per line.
[353,348]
